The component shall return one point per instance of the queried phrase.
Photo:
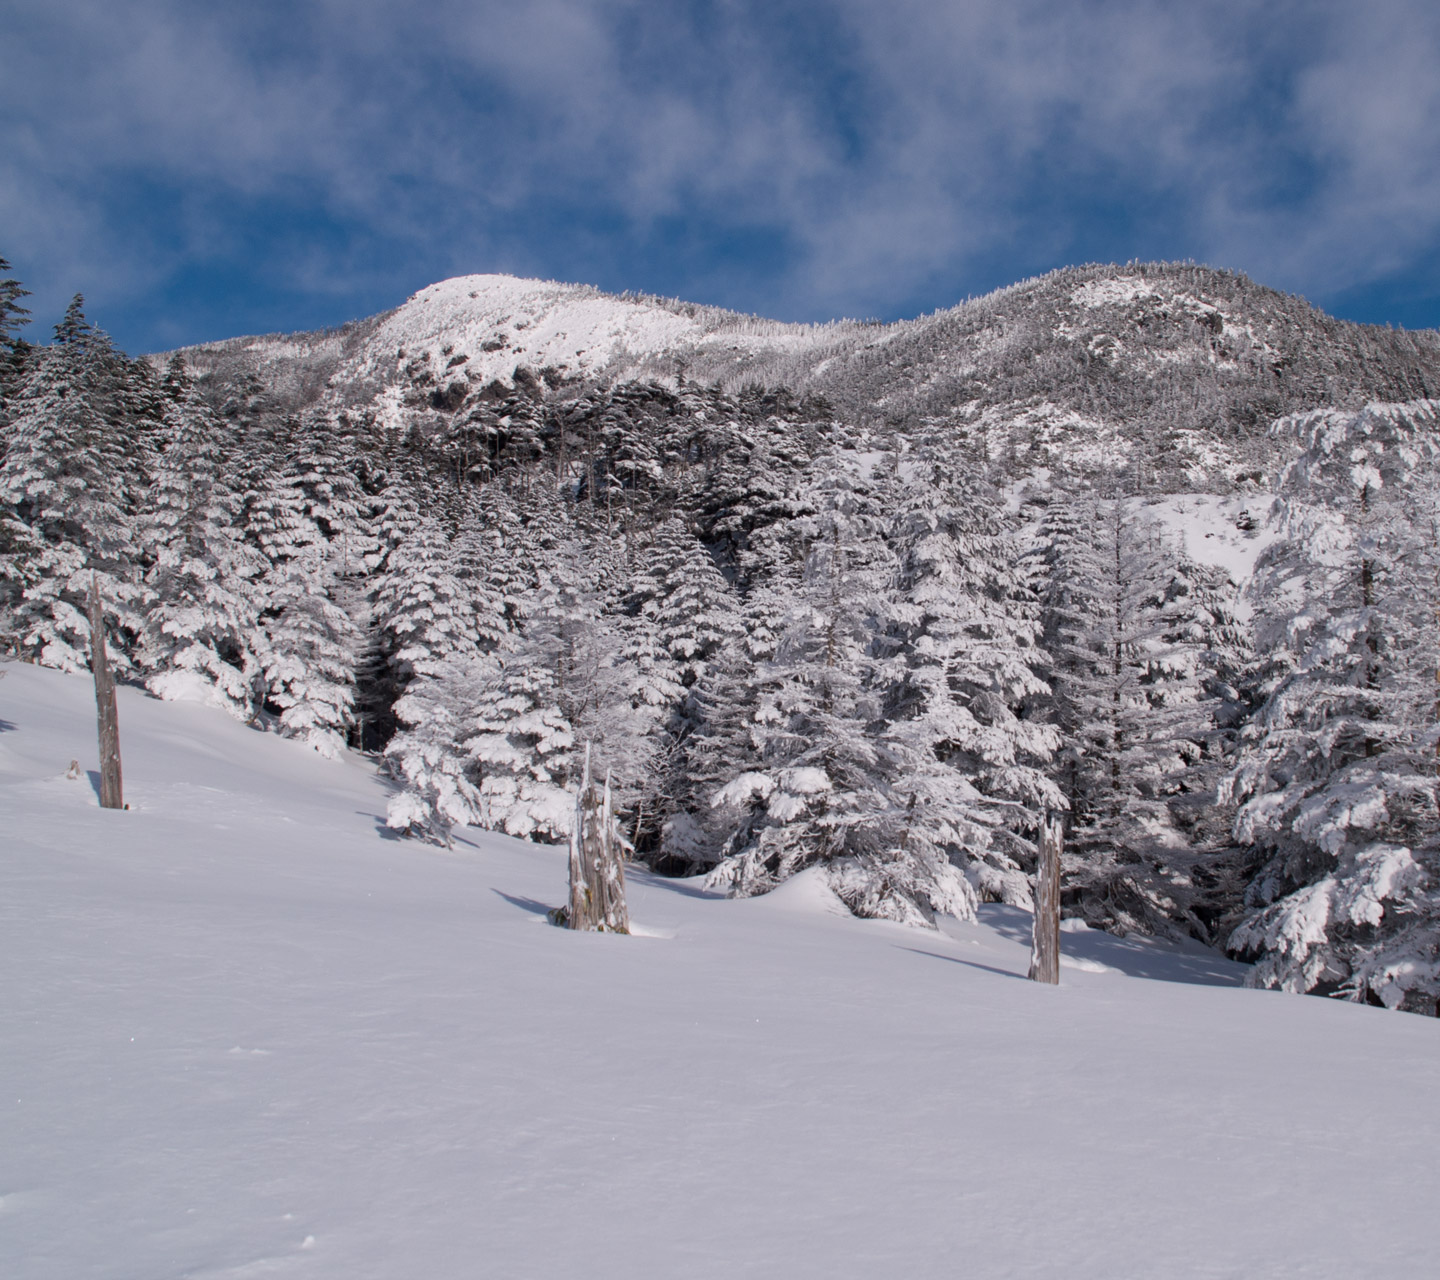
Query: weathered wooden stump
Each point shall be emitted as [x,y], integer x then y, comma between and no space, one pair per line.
[1045,945]
[111,791]
[597,870]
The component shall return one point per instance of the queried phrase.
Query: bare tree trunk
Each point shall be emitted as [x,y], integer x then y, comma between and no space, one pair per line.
[580,912]
[597,873]
[614,914]
[1045,948]
[111,792]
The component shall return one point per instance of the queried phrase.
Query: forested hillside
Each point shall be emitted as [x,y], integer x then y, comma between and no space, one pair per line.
[1152,546]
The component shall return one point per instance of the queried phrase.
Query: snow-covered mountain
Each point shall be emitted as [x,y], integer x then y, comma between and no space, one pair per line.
[472,331]
[1149,546]
[1102,361]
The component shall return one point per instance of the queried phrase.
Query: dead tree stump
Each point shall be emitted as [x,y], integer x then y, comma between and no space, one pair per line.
[1045,946]
[597,871]
[111,791]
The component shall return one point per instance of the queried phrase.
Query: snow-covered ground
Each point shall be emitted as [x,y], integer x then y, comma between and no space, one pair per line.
[1228,532]
[244,1034]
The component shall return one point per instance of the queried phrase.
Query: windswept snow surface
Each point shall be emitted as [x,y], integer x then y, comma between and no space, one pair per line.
[245,1034]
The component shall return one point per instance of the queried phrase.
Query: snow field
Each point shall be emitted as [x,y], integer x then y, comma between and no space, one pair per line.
[245,1034]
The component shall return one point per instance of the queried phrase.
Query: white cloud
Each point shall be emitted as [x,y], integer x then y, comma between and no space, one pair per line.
[890,145]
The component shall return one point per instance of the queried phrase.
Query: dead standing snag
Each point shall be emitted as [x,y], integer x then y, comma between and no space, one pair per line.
[111,790]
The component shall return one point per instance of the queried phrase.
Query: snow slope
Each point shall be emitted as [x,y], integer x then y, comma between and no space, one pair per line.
[540,322]
[482,328]
[243,1034]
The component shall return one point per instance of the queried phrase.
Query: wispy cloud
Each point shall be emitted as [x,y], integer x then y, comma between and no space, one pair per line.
[833,156]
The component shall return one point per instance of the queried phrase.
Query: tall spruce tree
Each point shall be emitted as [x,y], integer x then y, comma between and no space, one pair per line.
[201,629]
[965,685]
[1337,772]
[825,788]
[1131,677]
[13,349]
[74,467]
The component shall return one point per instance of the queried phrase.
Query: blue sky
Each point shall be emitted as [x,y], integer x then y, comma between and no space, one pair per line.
[201,170]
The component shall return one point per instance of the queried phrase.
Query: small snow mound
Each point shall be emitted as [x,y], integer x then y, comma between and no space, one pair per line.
[189,686]
[1084,965]
[809,892]
[1074,925]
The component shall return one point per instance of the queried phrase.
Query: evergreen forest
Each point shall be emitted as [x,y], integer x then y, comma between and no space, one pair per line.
[873,600]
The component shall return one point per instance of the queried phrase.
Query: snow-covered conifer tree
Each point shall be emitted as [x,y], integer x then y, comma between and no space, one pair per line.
[440,663]
[310,644]
[1337,771]
[1129,676]
[69,481]
[522,745]
[480,558]
[825,788]
[688,604]
[201,630]
[679,613]
[13,349]
[309,655]
[522,733]
[421,604]
[429,756]
[276,516]
[964,677]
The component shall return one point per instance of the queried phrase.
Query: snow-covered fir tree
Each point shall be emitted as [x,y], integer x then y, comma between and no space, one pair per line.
[307,526]
[522,735]
[1337,773]
[75,465]
[430,753]
[824,787]
[441,626]
[678,614]
[201,629]
[308,658]
[1137,634]
[966,690]
[14,350]
[422,606]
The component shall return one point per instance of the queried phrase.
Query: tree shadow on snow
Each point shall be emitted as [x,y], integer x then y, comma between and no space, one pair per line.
[652,880]
[1150,958]
[969,964]
[6,727]
[381,830]
[525,904]
[94,777]
[386,832]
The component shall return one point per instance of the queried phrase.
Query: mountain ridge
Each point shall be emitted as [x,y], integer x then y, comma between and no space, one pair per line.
[1113,360]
